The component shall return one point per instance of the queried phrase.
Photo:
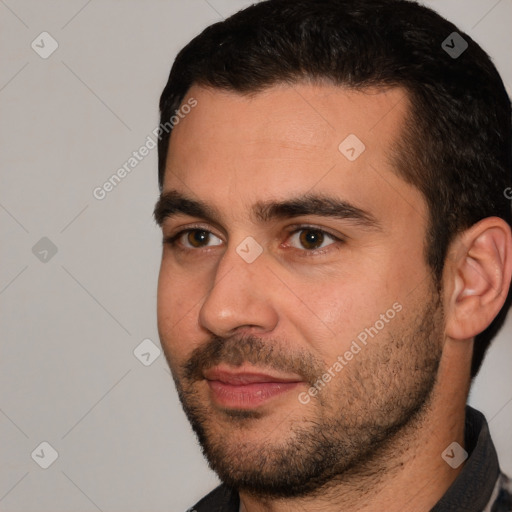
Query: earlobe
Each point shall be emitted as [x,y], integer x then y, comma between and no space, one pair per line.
[477,277]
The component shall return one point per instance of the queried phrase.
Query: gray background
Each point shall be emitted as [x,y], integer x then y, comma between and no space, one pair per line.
[71,322]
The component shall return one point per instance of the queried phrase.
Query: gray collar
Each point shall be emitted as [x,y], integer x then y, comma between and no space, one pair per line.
[472,489]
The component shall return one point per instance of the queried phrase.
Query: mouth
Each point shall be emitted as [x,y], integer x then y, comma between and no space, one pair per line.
[247,388]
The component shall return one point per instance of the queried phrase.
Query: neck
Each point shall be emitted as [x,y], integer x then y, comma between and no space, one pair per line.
[407,473]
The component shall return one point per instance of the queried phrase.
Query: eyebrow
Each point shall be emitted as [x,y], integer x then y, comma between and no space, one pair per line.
[173,203]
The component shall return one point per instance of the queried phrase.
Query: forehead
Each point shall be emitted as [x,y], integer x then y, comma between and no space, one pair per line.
[295,117]
[289,140]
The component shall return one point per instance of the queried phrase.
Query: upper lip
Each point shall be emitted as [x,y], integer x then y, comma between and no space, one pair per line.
[247,376]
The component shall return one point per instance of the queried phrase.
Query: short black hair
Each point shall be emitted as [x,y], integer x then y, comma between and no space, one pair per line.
[455,146]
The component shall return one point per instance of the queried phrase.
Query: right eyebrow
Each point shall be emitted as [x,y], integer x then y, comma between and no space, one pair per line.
[173,203]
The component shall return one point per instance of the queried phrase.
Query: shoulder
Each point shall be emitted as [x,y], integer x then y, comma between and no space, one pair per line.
[221,499]
[501,500]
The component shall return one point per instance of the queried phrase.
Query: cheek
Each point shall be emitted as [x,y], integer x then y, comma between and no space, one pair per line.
[335,310]
[321,310]
[178,303]
[179,291]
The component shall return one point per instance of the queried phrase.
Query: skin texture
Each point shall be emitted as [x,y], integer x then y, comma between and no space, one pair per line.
[380,424]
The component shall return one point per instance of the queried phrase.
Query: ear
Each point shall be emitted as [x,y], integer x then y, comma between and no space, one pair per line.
[477,277]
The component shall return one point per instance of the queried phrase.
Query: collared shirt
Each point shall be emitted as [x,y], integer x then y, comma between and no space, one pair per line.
[479,487]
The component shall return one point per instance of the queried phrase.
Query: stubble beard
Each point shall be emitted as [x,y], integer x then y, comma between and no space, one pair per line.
[383,392]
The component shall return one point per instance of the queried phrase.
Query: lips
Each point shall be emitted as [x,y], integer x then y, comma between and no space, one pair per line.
[247,388]
[245,377]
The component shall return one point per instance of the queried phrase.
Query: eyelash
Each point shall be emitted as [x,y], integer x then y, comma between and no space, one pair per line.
[173,240]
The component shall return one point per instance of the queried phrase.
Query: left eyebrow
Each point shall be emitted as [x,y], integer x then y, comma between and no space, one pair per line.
[314,204]
[173,203]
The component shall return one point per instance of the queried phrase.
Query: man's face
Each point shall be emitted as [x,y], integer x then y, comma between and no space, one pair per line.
[300,335]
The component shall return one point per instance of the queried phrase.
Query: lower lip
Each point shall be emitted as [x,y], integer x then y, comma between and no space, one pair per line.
[247,396]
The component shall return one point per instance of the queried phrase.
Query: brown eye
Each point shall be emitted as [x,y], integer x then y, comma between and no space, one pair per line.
[311,239]
[197,237]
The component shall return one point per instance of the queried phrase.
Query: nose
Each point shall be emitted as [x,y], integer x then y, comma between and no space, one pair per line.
[241,297]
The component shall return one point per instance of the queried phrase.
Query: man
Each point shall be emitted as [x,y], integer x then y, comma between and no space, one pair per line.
[337,255]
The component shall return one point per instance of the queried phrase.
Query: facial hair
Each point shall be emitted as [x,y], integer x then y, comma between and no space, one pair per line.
[384,389]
